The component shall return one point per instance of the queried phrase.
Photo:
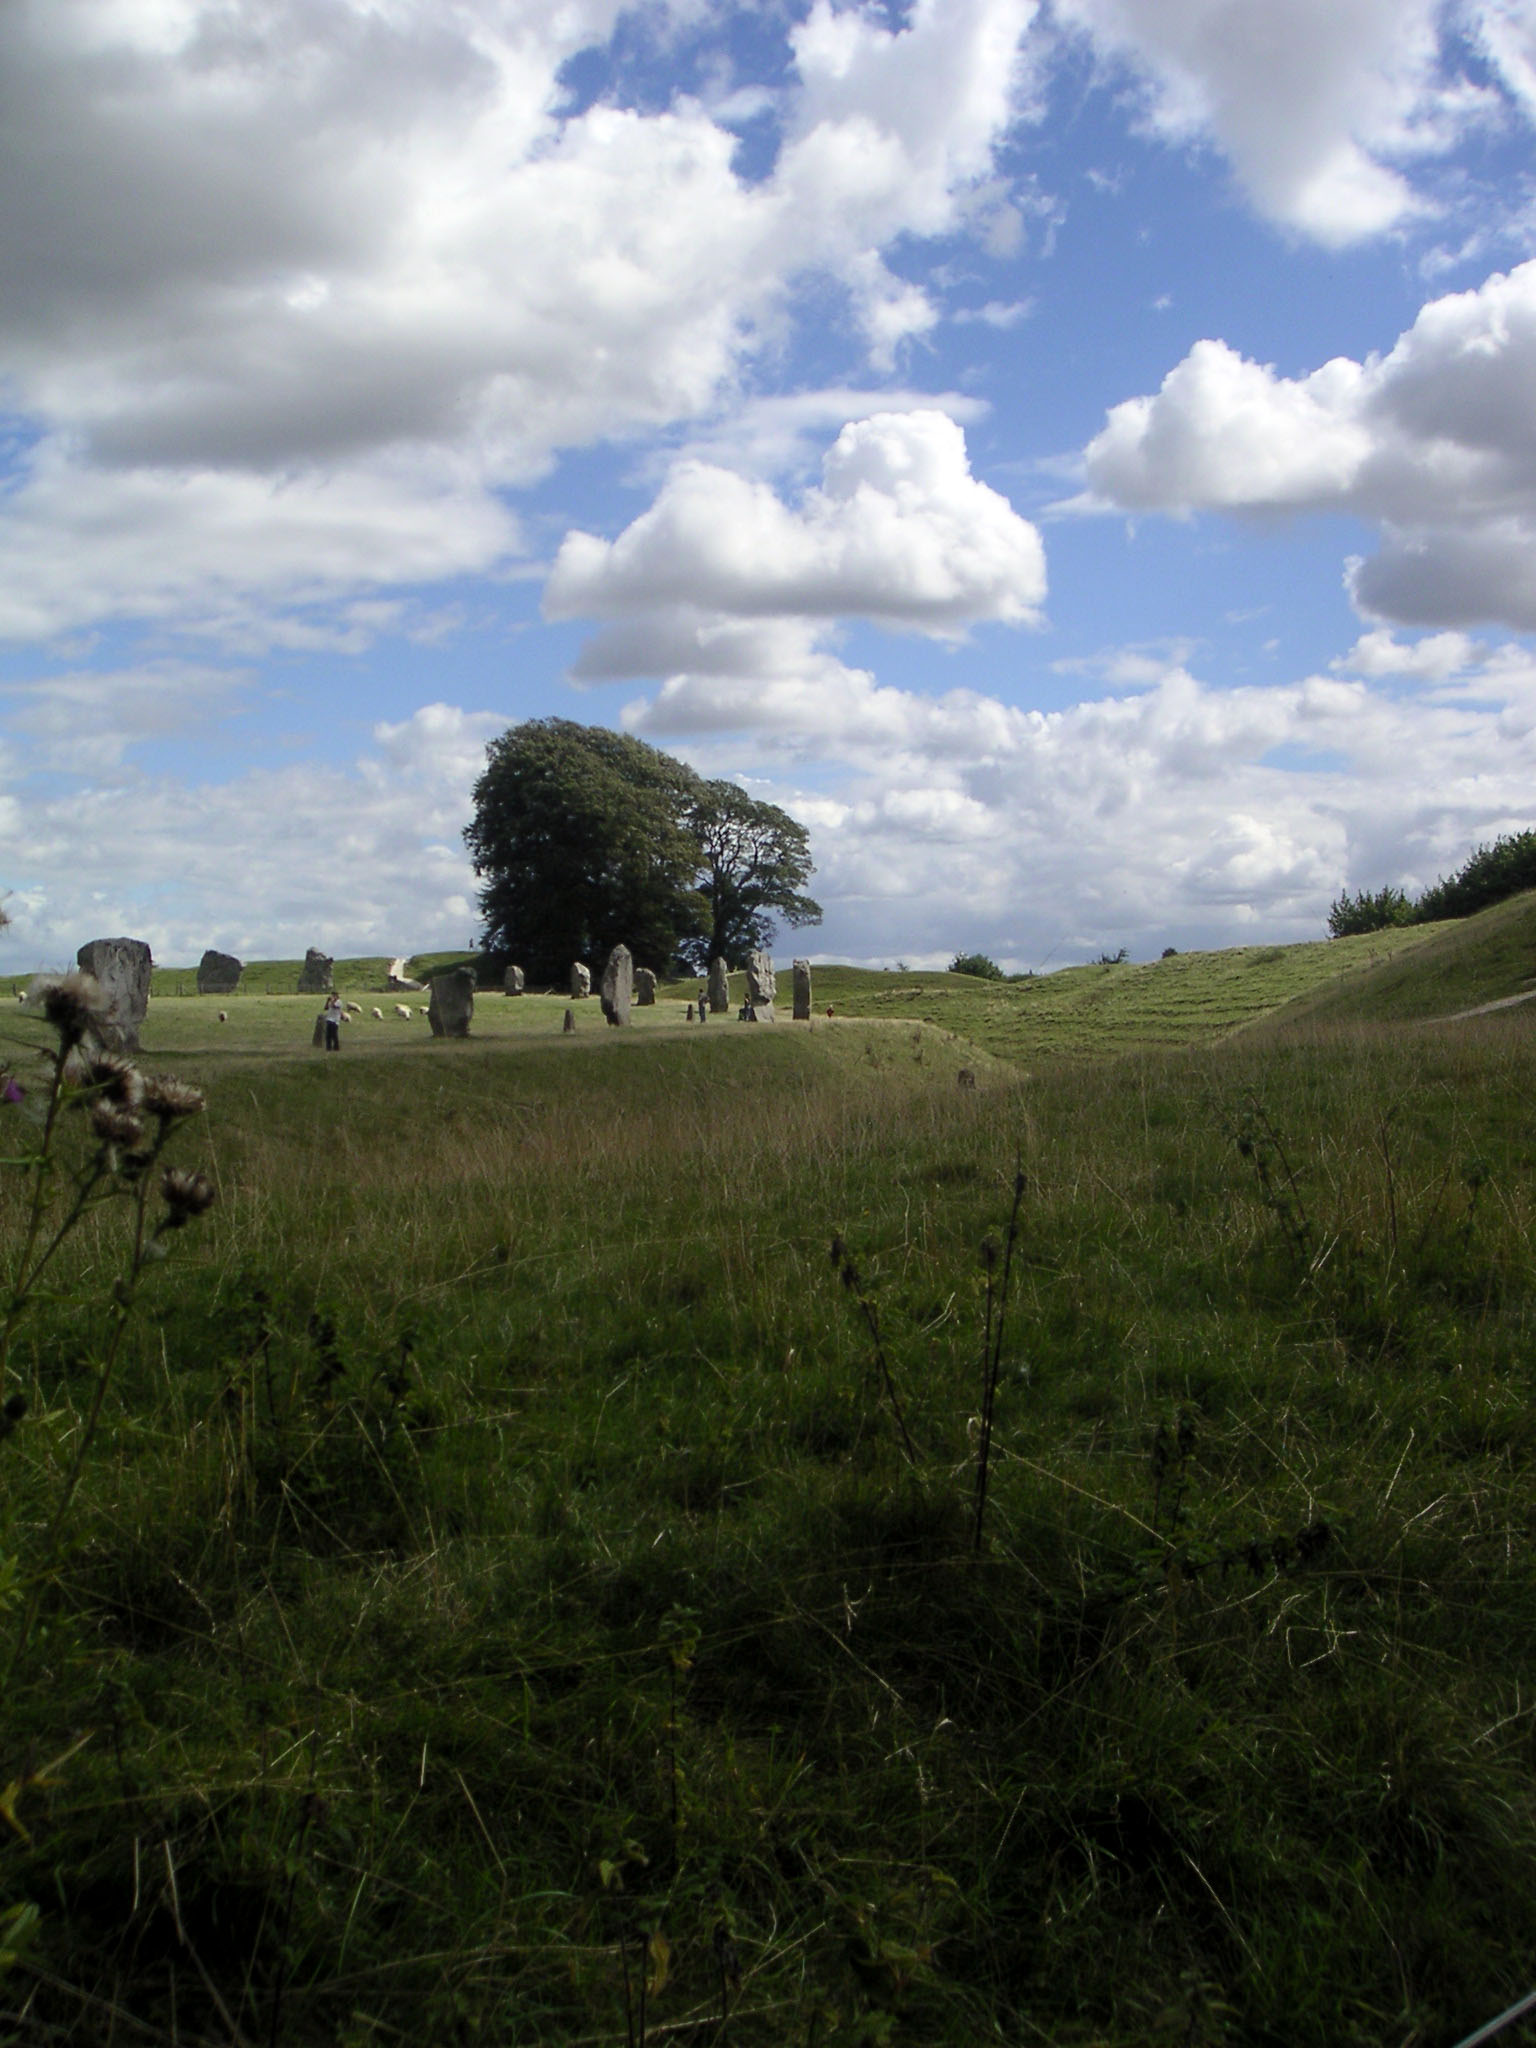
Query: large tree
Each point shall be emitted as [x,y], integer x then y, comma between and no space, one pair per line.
[755,858]
[584,838]
[579,839]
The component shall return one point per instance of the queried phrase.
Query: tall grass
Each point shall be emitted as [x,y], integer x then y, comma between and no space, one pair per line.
[503,1605]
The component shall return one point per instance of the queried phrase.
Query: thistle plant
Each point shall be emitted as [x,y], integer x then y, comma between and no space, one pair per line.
[91,1136]
[992,1350]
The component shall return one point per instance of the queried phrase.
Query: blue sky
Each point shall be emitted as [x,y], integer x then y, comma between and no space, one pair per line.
[1080,459]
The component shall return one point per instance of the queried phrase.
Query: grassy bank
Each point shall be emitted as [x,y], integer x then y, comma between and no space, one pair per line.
[1187,999]
[1126,1007]
[502,1583]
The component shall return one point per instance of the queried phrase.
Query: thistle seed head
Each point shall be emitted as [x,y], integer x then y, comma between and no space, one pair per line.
[115,1125]
[114,1078]
[187,1194]
[72,1003]
[167,1098]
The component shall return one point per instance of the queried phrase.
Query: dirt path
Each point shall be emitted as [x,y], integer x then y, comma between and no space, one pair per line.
[1483,1009]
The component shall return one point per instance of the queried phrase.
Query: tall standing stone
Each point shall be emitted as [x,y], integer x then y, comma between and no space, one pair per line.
[398,980]
[123,967]
[719,988]
[315,974]
[645,988]
[762,986]
[618,985]
[581,979]
[452,1004]
[218,974]
[802,991]
[513,982]
[570,1021]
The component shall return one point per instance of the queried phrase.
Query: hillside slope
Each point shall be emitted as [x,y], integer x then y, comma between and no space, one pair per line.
[1188,999]
[1461,965]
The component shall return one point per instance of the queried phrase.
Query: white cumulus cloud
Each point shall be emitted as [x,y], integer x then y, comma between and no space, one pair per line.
[1321,106]
[1436,440]
[898,530]
[296,287]
[1177,814]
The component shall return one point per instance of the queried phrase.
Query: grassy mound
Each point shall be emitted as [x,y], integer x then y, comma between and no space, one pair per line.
[1188,999]
[1462,965]
[502,1605]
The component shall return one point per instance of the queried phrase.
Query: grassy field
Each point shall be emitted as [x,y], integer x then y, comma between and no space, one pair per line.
[525,1587]
[1188,999]
[1476,960]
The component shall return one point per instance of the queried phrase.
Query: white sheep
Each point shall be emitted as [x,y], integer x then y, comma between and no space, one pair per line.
[223,1016]
[379,1016]
[403,1010]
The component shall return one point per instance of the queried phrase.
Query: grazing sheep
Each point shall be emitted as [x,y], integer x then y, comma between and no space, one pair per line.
[423,1011]
[379,1016]
[223,1016]
[355,1008]
[403,1010]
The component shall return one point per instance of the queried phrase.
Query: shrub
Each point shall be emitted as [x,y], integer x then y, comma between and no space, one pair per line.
[978,964]
[1366,912]
[1491,874]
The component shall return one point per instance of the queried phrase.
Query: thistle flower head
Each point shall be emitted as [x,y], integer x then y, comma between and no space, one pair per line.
[115,1125]
[72,1003]
[167,1098]
[186,1194]
[113,1077]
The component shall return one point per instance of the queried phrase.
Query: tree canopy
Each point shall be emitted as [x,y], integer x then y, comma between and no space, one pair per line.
[585,838]
[754,858]
[1485,877]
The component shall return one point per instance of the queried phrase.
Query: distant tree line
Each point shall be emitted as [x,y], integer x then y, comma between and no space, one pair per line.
[585,839]
[1488,876]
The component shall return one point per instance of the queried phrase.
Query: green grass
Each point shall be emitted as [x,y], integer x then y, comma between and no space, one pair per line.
[500,1559]
[1190,999]
[1483,959]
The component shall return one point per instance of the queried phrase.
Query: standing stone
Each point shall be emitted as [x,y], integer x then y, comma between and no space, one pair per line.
[762,986]
[122,966]
[802,991]
[317,1037]
[315,974]
[618,985]
[719,988]
[512,981]
[452,1004]
[581,979]
[570,1021]
[218,974]
[645,988]
[398,979]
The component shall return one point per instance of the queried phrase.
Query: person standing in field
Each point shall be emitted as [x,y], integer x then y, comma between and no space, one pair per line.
[332,1014]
